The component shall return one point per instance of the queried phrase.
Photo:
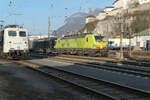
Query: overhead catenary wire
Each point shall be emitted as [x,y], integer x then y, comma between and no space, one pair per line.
[67,11]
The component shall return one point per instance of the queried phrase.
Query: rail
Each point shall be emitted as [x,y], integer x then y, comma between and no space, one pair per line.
[109,90]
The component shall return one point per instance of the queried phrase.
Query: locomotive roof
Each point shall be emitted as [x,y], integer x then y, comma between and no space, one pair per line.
[47,39]
[76,36]
[13,26]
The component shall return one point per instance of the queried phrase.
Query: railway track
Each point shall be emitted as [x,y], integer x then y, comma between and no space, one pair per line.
[136,71]
[88,62]
[133,61]
[112,60]
[102,88]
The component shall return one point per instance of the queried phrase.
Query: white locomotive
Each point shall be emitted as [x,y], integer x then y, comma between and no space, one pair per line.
[14,41]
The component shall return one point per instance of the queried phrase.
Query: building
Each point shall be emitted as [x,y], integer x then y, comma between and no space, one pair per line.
[117,4]
[127,3]
[140,41]
[90,18]
[108,9]
[102,15]
[122,4]
[143,1]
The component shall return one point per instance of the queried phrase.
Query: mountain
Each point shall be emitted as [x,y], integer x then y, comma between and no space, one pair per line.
[76,21]
[93,11]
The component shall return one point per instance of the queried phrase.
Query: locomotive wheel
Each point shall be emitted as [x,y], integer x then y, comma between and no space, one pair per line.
[105,54]
[59,52]
[80,53]
[68,53]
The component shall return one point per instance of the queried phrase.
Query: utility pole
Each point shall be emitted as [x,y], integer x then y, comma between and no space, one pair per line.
[121,38]
[49,24]
[40,35]
[130,31]
[130,42]
[107,29]
[120,22]
[1,24]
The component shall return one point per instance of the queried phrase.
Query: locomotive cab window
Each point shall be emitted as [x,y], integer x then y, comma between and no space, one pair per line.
[22,34]
[87,40]
[12,33]
[99,38]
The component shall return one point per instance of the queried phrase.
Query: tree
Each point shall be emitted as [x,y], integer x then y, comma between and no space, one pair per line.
[140,23]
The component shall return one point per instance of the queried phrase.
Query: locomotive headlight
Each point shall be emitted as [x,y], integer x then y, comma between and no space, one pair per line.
[94,46]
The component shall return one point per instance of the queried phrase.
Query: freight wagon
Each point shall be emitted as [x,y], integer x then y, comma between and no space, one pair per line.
[44,45]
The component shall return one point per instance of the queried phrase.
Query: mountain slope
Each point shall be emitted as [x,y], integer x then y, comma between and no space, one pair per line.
[76,22]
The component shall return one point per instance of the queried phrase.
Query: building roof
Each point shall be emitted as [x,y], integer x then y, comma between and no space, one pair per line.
[109,7]
[102,12]
[91,16]
[115,1]
[12,26]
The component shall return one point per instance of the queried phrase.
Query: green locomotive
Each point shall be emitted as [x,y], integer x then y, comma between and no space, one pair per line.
[82,44]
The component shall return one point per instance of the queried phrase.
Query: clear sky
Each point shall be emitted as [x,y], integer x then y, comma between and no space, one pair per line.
[33,14]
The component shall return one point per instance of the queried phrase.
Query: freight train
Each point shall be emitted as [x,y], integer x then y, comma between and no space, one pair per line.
[13,42]
[77,44]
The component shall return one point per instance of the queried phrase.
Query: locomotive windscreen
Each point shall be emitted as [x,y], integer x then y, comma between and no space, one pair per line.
[22,34]
[12,33]
[100,38]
